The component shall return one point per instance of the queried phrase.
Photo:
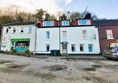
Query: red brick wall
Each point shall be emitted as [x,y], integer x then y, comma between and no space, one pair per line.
[102,32]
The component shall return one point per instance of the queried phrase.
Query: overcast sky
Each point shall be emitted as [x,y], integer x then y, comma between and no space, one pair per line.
[102,8]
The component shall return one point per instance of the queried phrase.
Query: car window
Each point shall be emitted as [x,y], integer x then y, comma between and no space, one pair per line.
[116,48]
[109,48]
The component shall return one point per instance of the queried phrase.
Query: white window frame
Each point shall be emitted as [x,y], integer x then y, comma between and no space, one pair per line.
[47,45]
[73,46]
[84,34]
[21,30]
[6,30]
[89,46]
[29,29]
[82,47]
[13,30]
[109,34]
[64,34]
[48,35]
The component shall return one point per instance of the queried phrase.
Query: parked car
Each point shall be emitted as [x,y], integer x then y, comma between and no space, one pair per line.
[111,53]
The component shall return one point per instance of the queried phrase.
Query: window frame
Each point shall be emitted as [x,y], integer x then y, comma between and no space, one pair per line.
[73,47]
[22,30]
[91,47]
[48,35]
[82,47]
[64,34]
[29,29]
[84,34]
[47,47]
[109,34]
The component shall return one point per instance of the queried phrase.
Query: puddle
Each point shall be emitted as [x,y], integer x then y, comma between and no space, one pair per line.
[56,67]
[48,75]
[16,66]
[89,69]
[96,66]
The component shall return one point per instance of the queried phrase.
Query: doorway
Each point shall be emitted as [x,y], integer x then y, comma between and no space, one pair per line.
[64,48]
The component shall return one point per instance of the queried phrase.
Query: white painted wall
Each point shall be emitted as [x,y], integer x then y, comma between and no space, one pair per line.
[41,40]
[6,37]
[74,36]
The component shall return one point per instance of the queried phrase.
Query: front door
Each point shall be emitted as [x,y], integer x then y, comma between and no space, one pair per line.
[64,49]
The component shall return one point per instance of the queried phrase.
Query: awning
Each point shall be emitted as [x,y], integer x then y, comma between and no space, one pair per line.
[20,39]
[64,43]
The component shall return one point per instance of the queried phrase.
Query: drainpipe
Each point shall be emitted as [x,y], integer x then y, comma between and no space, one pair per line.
[59,39]
[35,40]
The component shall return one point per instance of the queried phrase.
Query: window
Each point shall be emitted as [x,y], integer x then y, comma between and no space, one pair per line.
[47,47]
[22,30]
[65,23]
[84,33]
[90,47]
[47,34]
[109,34]
[73,47]
[14,30]
[30,30]
[64,34]
[7,30]
[81,47]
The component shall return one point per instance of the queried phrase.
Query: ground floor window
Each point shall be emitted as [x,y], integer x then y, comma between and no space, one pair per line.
[47,47]
[73,47]
[113,44]
[20,45]
[90,47]
[81,47]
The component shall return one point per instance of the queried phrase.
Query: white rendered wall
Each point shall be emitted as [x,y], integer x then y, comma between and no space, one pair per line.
[74,36]
[42,41]
[6,37]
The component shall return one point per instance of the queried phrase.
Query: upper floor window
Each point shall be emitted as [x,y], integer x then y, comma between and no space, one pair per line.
[64,34]
[7,30]
[109,34]
[30,30]
[48,34]
[14,30]
[22,30]
[84,33]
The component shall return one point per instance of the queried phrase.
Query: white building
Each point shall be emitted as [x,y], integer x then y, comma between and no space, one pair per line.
[19,36]
[70,40]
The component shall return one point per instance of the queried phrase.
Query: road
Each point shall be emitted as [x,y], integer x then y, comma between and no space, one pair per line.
[19,69]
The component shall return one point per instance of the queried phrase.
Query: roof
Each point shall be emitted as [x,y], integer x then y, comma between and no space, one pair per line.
[105,22]
[19,23]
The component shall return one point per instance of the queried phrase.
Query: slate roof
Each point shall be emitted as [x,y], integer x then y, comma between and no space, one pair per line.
[19,23]
[105,22]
